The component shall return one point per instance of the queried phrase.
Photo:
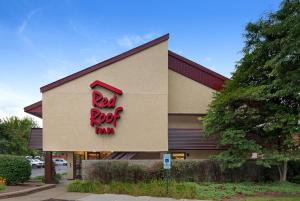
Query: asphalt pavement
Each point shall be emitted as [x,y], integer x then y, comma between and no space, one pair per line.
[40,171]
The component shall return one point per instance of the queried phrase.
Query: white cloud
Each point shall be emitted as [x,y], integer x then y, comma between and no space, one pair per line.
[26,20]
[21,31]
[12,103]
[130,41]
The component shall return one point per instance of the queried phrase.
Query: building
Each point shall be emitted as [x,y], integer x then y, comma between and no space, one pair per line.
[136,105]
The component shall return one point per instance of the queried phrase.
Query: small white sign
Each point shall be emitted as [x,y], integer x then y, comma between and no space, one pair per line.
[167,161]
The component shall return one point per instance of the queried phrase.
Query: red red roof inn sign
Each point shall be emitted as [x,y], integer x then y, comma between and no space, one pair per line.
[104,114]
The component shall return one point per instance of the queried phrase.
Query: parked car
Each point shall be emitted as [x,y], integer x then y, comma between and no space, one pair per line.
[28,157]
[60,161]
[40,162]
[38,157]
[36,163]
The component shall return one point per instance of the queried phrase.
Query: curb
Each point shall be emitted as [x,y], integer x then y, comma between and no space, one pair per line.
[26,191]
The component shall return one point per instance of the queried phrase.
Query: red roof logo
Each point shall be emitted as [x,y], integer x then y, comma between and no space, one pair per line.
[100,117]
[106,86]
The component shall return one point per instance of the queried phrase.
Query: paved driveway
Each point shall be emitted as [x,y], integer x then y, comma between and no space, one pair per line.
[40,171]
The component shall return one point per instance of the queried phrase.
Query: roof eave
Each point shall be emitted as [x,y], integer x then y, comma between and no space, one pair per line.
[35,109]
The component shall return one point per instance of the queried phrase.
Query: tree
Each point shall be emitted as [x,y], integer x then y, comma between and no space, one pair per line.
[258,109]
[14,135]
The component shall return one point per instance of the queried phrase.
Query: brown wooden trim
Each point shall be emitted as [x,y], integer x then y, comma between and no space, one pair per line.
[33,106]
[197,66]
[195,71]
[105,63]
[35,109]
[186,114]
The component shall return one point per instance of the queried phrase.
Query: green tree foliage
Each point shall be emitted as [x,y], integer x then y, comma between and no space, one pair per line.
[14,135]
[258,109]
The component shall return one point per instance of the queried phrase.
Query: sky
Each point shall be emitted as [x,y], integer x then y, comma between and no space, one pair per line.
[42,41]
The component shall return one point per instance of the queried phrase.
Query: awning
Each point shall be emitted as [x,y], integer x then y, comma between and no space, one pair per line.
[191,139]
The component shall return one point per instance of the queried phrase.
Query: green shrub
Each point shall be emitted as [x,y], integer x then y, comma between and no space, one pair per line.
[108,171]
[2,187]
[296,179]
[187,190]
[195,171]
[135,173]
[184,171]
[15,169]
[293,170]
[156,171]
[153,188]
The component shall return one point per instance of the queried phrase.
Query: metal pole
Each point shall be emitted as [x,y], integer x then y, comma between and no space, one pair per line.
[168,182]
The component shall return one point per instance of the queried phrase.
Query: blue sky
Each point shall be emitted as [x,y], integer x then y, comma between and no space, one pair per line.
[42,41]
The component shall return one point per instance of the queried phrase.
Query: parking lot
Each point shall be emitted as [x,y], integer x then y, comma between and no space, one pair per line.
[40,171]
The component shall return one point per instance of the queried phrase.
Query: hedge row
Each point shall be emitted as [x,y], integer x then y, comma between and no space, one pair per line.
[186,170]
[15,169]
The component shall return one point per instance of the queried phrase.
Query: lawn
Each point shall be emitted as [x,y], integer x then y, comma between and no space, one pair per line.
[190,190]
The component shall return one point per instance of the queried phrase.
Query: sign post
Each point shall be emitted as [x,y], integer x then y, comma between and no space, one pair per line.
[167,167]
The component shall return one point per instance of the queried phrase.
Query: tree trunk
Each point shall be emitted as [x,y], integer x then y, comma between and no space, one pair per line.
[49,168]
[282,169]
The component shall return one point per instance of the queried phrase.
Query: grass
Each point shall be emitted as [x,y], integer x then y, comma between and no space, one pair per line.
[188,190]
[57,177]
[2,187]
[38,178]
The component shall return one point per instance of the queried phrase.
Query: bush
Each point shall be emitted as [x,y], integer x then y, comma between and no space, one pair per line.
[195,171]
[108,171]
[15,169]
[2,187]
[184,171]
[293,170]
[296,179]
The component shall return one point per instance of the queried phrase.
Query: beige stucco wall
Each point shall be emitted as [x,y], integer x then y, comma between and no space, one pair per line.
[143,77]
[188,96]
[184,121]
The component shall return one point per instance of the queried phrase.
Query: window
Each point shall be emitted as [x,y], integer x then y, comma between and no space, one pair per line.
[179,155]
[93,155]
